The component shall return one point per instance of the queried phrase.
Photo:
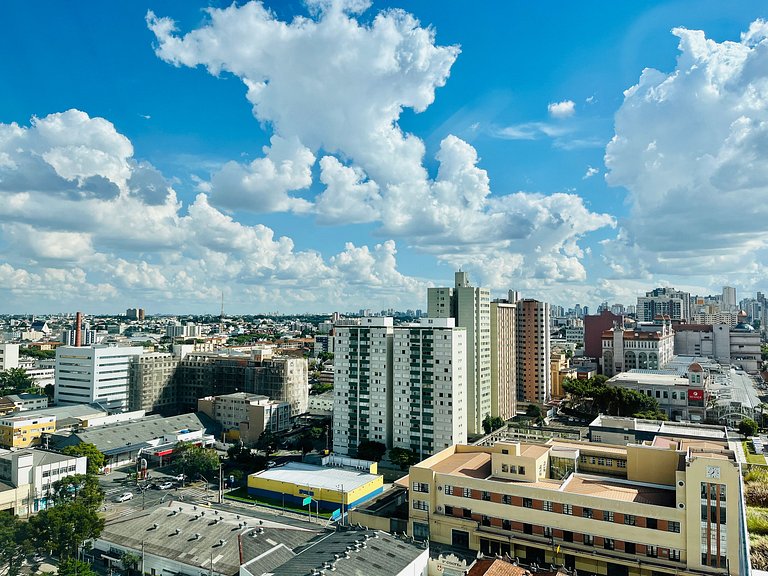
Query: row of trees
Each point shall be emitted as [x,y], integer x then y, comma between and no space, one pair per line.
[16,381]
[595,396]
[375,451]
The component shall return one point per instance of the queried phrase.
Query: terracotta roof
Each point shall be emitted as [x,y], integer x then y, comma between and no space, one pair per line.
[496,567]
[619,491]
[472,464]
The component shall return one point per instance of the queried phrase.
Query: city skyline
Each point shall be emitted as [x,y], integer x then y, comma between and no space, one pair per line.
[335,155]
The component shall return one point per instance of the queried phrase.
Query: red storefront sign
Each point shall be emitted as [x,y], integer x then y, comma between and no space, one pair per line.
[695,394]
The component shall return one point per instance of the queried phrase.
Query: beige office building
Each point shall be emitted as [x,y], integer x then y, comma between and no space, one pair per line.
[503,359]
[666,507]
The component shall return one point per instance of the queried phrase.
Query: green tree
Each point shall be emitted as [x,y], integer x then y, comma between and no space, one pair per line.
[534,411]
[403,457]
[14,545]
[63,529]
[747,427]
[371,450]
[75,567]
[305,444]
[268,442]
[324,356]
[83,488]
[130,561]
[491,423]
[37,353]
[195,460]
[96,460]
[16,381]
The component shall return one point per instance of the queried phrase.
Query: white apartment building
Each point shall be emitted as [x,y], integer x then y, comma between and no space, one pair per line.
[428,386]
[9,356]
[471,308]
[504,359]
[97,373]
[362,386]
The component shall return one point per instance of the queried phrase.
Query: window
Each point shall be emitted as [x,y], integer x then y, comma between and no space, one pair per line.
[589,540]
[486,496]
[527,503]
[674,554]
[448,490]
[506,499]
[586,512]
[485,520]
[506,524]
[467,513]
[673,526]
[547,506]
[504,468]
[449,510]
[651,523]
[608,515]
[421,487]
[568,509]
[621,463]
[601,461]
[420,505]
[521,470]
[547,531]
[630,519]
[651,551]
[467,493]
[608,544]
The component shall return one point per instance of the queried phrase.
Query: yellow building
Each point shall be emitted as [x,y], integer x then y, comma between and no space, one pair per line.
[665,507]
[332,488]
[25,431]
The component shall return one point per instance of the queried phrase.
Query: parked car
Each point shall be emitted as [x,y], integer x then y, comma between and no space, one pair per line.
[180,477]
[124,497]
[165,485]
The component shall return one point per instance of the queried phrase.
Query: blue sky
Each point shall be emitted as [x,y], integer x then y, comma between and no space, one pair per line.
[320,156]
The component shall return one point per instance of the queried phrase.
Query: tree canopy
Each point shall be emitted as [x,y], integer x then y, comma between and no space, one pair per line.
[371,450]
[82,488]
[596,396]
[748,427]
[268,442]
[75,567]
[403,457]
[63,529]
[16,381]
[491,423]
[195,460]
[96,459]
[14,545]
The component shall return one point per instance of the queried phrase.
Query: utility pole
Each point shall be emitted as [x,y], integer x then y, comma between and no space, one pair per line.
[142,556]
[221,491]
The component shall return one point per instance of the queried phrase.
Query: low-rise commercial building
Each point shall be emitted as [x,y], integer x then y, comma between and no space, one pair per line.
[27,477]
[330,486]
[245,417]
[665,507]
[622,431]
[25,431]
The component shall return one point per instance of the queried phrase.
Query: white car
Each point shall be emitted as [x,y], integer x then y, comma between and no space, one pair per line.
[165,485]
[124,497]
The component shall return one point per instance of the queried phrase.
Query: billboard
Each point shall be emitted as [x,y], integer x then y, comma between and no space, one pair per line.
[696,394]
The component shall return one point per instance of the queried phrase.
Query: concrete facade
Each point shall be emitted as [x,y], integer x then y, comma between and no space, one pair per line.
[503,359]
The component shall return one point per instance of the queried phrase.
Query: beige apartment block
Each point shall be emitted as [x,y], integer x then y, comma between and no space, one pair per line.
[667,506]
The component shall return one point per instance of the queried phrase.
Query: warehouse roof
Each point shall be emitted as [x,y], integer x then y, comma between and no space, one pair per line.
[319,477]
[195,536]
[350,553]
[121,436]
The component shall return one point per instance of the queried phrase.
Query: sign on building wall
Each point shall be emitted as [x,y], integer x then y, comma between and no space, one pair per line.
[695,394]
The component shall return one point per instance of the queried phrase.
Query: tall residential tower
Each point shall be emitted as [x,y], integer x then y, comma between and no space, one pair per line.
[471,308]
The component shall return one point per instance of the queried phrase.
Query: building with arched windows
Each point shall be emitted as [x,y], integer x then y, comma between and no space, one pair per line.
[644,347]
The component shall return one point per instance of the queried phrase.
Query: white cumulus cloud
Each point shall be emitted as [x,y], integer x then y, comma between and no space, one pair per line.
[690,148]
[562,109]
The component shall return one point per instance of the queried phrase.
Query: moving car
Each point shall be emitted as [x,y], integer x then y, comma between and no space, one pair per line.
[124,497]
[165,485]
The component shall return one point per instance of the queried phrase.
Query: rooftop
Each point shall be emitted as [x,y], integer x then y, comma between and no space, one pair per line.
[201,537]
[116,437]
[319,477]
[352,553]
[616,490]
